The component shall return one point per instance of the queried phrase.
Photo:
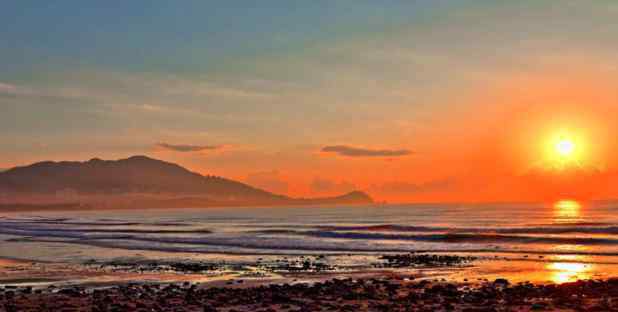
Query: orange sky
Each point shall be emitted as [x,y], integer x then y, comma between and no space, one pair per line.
[412,101]
[497,145]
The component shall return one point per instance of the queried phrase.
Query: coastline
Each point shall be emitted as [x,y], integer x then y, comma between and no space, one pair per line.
[209,257]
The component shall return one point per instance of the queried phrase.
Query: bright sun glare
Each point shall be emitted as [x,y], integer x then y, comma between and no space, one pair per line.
[565,147]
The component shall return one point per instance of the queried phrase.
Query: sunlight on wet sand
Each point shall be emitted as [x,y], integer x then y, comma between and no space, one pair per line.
[558,269]
[568,272]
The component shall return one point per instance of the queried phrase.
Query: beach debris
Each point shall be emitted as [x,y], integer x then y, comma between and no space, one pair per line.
[302,264]
[422,260]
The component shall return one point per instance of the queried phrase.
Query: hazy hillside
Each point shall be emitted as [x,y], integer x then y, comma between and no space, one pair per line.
[144,181]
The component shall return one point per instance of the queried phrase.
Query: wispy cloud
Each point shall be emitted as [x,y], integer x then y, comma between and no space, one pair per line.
[163,86]
[351,151]
[271,181]
[14,90]
[7,88]
[29,92]
[187,148]
[402,187]
[321,186]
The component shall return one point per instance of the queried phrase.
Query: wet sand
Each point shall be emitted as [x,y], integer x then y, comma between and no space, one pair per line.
[259,271]
[11,262]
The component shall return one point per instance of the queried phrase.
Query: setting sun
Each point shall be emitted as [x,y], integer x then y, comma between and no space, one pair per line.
[565,147]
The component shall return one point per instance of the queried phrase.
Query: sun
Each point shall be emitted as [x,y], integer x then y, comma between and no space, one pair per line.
[564,150]
[565,147]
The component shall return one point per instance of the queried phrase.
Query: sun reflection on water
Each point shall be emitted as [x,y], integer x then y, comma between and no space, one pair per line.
[567,211]
[569,268]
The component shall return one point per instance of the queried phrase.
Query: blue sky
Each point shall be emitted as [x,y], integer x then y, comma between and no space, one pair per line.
[119,49]
[187,36]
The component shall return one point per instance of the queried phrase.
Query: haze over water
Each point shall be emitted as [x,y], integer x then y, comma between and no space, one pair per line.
[563,241]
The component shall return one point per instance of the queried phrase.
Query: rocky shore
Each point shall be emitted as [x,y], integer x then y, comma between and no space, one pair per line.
[297,264]
[309,283]
[384,294]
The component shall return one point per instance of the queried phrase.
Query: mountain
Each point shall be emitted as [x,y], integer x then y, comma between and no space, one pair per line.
[140,180]
[137,174]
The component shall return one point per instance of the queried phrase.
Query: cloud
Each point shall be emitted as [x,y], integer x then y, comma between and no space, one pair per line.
[6,88]
[350,151]
[268,180]
[30,92]
[402,187]
[321,186]
[187,148]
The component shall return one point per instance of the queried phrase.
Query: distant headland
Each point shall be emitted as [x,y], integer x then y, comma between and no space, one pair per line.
[136,182]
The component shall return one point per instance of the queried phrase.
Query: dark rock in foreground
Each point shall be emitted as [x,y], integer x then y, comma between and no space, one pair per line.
[335,295]
[414,260]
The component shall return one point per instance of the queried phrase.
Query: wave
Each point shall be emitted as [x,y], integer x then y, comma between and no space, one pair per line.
[578,223]
[301,239]
[240,248]
[498,236]
[464,238]
[273,242]
[119,231]
[550,229]
[101,222]
[87,233]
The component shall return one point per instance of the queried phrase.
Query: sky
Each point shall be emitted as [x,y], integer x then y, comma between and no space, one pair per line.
[410,101]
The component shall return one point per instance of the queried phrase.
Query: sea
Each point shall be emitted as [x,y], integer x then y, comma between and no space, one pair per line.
[566,238]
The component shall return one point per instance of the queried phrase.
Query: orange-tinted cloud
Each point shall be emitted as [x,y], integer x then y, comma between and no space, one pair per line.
[351,151]
[271,181]
[323,186]
[6,88]
[402,188]
[187,148]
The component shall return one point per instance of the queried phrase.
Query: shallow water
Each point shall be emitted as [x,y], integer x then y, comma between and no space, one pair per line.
[556,242]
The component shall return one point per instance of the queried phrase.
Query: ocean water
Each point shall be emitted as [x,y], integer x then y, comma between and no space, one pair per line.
[576,232]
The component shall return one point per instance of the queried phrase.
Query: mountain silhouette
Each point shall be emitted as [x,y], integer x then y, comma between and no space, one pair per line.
[145,181]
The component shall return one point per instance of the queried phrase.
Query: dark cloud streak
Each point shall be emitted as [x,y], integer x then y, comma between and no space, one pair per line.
[350,151]
[187,148]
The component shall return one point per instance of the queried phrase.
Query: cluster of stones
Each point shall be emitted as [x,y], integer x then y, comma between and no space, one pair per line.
[418,260]
[157,266]
[302,264]
[335,295]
